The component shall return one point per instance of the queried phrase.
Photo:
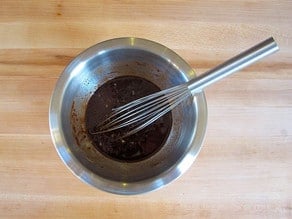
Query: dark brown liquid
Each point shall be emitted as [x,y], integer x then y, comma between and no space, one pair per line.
[114,93]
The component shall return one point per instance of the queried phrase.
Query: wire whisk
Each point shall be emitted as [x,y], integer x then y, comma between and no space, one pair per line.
[140,113]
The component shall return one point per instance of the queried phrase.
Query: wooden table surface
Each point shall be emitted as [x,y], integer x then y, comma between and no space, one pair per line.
[245,166]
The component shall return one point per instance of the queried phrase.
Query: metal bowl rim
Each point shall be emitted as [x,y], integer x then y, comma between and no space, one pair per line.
[81,171]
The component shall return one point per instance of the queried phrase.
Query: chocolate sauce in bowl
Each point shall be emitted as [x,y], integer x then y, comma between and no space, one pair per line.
[137,147]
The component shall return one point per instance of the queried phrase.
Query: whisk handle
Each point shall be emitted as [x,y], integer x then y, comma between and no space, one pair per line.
[234,64]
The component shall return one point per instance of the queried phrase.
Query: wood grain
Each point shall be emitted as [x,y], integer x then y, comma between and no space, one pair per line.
[244,168]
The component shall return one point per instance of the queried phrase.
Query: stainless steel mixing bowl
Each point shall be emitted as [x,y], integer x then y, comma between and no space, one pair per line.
[80,79]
